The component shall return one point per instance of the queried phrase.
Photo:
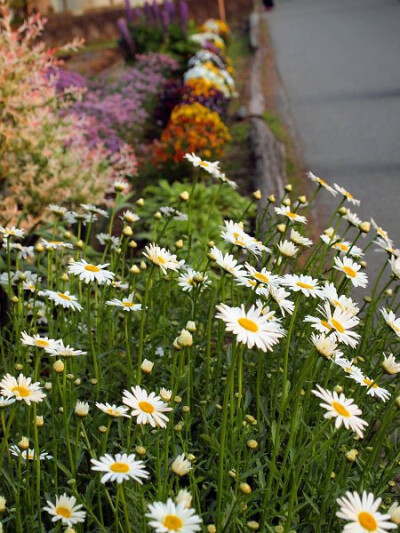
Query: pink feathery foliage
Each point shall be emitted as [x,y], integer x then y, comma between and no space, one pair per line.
[44,154]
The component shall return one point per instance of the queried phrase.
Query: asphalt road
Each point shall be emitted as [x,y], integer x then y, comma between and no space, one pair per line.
[339,61]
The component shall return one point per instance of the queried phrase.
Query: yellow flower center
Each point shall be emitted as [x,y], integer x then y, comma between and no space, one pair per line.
[304,285]
[55,242]
[41,343]
[367,521]
[339,408]
[161,260]
[350,272]
[128,304]
[370,383]
[337,325]
[92,268]
[290,214]
[119,468]
[253,283]
[325,324]
[64,296]
[112,412]
[238,242]
[146,407]
[349,195]
[342,246]
[248,324]
[172,522]
[63,511]
[396,329]
[261,277]
[322,182]
[338,304]
[204,164]
[23,392]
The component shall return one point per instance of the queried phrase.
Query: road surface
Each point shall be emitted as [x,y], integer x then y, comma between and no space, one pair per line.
[339,61]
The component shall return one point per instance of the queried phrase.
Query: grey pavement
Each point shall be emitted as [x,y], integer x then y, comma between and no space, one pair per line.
[339,61]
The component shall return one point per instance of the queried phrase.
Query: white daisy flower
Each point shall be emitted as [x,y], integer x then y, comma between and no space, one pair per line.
[57,210]
[346,247]
[344,303]
[391,321]
[170,518]
[351,270]
[129,217]
[64,351]
[279,295]
[5,402]
[113,410]
[251,327]
[343,409]
[374,389]
[339,323]
[352,218]
[346,194]
[287,248]
[55,245]
[305,284]
[148,408]
[11,232]
[189,279]
[181,466]
[211,167]
[234,234]
[297,238]
[105,239]
[64,299]
[65,510]
[321,183]
[263,276]
[24,252]
[388,247]
[39,342]
[227,262]
[88,272]
[221,176]
[120,468]
[21,388]
[326,345]
[349,367]
[161,257]
[390,365]
[362,514]
[257,287]
[127,304]
[395,266]
[380,231]
[294,217]
[29,454]
[90,208]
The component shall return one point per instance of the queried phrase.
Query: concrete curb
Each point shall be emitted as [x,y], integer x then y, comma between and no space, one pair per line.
[268,152]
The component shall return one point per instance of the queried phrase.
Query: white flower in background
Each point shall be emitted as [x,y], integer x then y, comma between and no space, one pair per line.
[263,276]
[287,248]
[147,408]
[390,365]
[11,232]
[362,513]
[346,247]
[221,176]
[321,183]
[105,239]
[90,208]
[23,252]
[161,257]
[251,327]
[326,345]
[57,210]
[279,294]
[64,351]
[349,367]
[343,409]
[21,388]
[227,262]
[29,454]
[120,468]
[129,217]
[184,497]
[190,279]
[352,218]
[55,245]
[5,402]
[170,517]
[380,231]
[395,266]
[344,303]
[64,299]
[339,323]
[66,510]
[211,167]
[351,270]
[267,312]
[181,466]
[346,194]
[81,409]
[388,247]
[88,272]
[297,238]
[294,217]
[113,410]
[127,304]
[374,389]
[394,512]
[391,321]
[256,286]
[234,234]
[43,343]
[300,283]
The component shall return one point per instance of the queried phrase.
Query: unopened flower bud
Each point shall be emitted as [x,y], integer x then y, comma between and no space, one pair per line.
[23,443]
[191,326]
[179,244]
[185,339]
[389,292]
[338,389]
[177,399]
[81,409]
[252,444]
[39,421]
[342,211]
[67,235]
[364,227]
[103,429]
[18,366]
[165,394]
[302,199]
[147,366]
[281,228]
[286,202]
[132,244]
[39,247]
[158,215]
[140,450]
[329,232]
[253,525]
[79,244]
[232,473]
[127,231]
[48,386]
[77,382]
[288,187]
[394,512]
[351,455]
[257,194]
[184,196]
[134,269]
[185,409]
[271,199]
[15,299]
[58,366]
[211,528]
[65,277]
[140,202]
[3,504]
[245,488]
[363,264]
[211,244]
